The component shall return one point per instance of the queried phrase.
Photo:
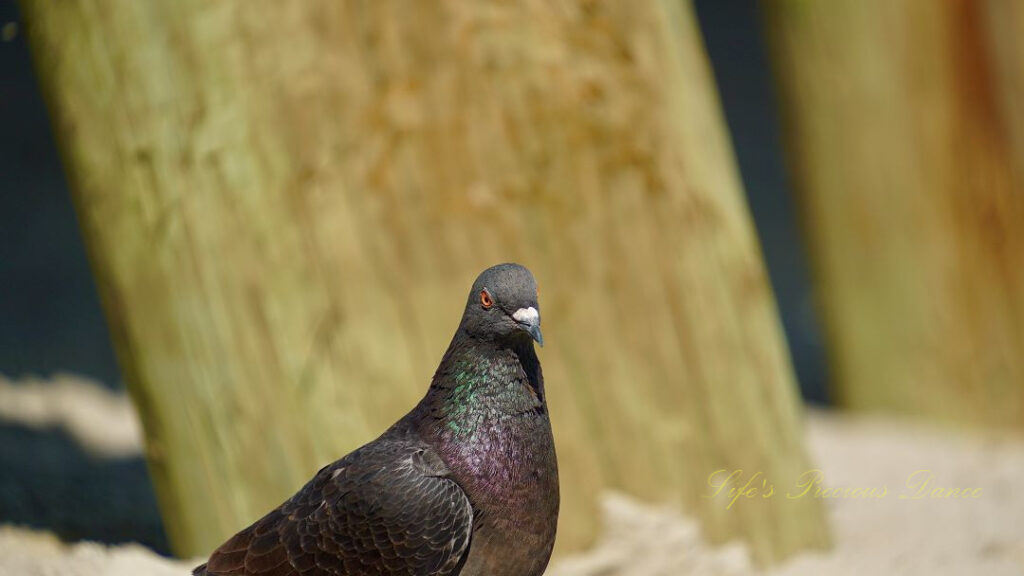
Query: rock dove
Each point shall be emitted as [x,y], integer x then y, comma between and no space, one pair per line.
[466,483]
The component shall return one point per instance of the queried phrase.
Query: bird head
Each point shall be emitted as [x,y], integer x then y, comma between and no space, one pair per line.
[503,306]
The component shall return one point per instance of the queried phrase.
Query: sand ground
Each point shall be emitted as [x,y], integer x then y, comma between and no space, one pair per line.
[889,536]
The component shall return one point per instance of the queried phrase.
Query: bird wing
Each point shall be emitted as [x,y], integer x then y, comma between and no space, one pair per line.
[388,508]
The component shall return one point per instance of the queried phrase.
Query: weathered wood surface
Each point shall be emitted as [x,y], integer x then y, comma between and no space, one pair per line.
[905,129]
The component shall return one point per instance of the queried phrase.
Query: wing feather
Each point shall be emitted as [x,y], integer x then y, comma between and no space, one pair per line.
[388,508]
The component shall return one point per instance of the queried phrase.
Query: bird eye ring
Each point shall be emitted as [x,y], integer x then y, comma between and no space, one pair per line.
[485,299]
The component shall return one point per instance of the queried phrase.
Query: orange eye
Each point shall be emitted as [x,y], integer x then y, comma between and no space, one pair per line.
[485,299]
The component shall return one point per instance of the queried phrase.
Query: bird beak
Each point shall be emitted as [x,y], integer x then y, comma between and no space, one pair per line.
[529,320]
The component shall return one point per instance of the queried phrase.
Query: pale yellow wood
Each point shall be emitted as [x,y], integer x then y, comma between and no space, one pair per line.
[904,124]
[285,203]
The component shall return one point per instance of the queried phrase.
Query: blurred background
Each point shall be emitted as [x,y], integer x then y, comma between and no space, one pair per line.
[861,160]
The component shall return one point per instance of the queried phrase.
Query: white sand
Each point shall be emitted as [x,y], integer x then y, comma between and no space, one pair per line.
[28,553]
[103,422]
[888,536]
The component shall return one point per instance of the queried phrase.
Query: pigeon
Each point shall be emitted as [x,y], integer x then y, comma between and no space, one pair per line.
[464,484]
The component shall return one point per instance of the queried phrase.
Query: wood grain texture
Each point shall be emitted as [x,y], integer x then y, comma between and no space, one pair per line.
[904,126]
[285,202]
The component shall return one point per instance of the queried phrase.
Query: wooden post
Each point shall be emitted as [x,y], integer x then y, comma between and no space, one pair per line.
[905,128]
[285,203]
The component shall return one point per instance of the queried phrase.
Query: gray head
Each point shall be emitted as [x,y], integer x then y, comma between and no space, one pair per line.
[503,305]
